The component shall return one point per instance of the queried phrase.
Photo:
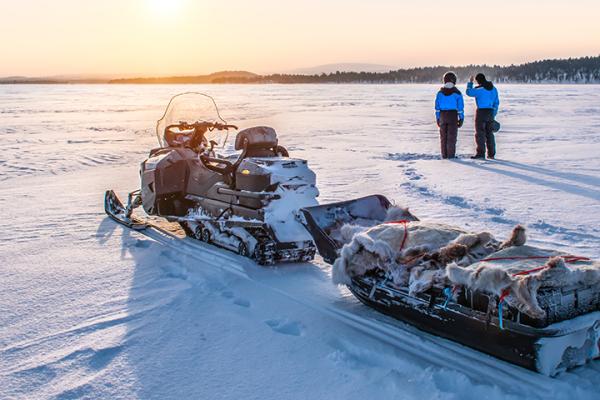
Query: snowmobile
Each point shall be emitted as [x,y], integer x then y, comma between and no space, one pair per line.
[568,335]
[244,199]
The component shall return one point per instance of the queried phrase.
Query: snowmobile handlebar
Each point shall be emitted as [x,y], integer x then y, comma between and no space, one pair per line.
[192,134]
[200,125]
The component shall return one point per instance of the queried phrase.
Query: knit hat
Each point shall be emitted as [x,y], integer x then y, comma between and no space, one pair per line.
[483,82]
[450,77]
[480,78]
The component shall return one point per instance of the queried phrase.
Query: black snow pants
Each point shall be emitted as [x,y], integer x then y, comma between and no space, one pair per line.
[448,133]
[483,132]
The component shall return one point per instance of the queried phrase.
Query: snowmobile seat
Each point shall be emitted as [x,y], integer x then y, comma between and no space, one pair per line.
[258,141]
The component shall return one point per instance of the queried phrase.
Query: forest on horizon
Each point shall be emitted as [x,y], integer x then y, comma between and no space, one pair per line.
[582,70]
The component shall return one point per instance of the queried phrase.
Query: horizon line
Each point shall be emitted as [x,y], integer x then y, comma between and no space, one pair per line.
[107,77]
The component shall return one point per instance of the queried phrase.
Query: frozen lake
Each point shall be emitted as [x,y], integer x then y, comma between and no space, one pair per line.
[90,310]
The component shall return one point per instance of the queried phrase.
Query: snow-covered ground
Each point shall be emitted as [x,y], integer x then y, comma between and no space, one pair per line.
[89,309]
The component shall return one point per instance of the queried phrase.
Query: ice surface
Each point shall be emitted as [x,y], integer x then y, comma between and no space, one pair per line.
[89,309]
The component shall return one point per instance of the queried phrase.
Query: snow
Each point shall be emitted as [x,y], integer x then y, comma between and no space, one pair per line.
[296,189]
[89,309]
[552,350]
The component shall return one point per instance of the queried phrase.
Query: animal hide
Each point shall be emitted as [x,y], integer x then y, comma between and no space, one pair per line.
[517,238]
[423,279]
[495,280]
[496,277]
[414,254]
[344,232]
[388,247]
[362,254]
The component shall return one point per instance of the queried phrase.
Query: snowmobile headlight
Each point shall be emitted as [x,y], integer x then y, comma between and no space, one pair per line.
[245,172]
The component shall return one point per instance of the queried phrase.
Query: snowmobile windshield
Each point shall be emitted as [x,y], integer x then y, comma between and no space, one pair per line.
[187,109]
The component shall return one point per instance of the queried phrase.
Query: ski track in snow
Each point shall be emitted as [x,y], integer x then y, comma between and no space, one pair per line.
[477,366]
[91,310]
[416,184]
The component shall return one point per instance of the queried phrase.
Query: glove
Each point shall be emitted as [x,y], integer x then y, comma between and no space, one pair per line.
[460,123]
[438,123]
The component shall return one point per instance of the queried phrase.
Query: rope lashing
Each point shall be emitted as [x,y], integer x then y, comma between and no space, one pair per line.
[449,293]
[403,222]
[570,259]
[503,296]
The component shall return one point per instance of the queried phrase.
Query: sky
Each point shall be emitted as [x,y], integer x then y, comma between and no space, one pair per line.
[181,37]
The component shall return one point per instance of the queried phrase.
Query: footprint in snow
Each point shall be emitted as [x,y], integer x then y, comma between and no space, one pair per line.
[286,327]
[101,358]
[176,271]
[143,244]
[241,302]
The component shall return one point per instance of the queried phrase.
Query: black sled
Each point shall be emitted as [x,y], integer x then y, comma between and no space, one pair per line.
[568,337]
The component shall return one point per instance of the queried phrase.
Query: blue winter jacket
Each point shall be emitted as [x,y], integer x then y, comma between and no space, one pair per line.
[447,100]
[483,97]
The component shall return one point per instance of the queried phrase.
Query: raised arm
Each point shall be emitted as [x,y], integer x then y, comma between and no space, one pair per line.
[470,91]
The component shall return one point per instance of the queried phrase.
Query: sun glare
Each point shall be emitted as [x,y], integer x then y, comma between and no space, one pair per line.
[164,7]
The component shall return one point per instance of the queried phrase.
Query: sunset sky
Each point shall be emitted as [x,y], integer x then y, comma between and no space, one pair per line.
[167,37]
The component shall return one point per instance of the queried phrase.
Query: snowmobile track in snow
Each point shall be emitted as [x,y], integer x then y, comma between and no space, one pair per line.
[437,352]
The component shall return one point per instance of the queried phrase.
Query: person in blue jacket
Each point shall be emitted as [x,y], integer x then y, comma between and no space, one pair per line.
[449,113]
[486,98]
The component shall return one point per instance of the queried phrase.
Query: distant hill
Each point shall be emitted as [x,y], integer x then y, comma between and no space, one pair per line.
[216,77]
[24,79]
[55,79]
[343,67]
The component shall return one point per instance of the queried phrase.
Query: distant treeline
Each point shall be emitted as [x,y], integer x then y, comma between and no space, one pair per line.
[572,70]
[216,77]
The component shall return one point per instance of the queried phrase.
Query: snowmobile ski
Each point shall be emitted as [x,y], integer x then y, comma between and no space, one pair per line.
[115,210]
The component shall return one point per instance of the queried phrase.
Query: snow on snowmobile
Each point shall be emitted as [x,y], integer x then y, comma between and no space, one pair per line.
[245,200]
[563,333]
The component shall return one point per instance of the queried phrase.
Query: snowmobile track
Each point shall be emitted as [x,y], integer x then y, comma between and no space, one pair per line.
[432,350]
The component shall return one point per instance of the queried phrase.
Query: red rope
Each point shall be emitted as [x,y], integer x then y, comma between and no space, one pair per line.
[403,222]
[400,221]
[569,259]
[530,271]
[506,292]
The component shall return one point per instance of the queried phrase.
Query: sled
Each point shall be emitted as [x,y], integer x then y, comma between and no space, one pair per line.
[568,337]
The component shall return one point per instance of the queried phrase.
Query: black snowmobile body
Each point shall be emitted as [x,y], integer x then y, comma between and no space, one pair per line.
[240,201]
[568,337]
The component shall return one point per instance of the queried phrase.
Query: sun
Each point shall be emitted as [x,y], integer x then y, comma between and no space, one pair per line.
[164,7]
